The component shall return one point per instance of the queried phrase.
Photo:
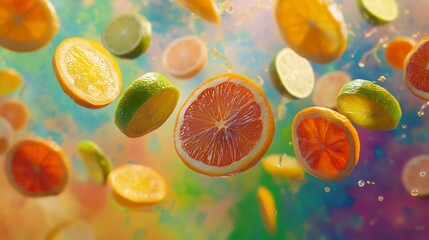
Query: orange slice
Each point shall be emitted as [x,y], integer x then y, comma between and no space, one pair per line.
[37,167]
[225,126]
[416,72]
[6,135]
[10,80]
[327,88]
[396,51]
[206,9]
[415,175]
[325,143]
[27,25]
[267,208]
[87,72]
[185,57]
[16,112]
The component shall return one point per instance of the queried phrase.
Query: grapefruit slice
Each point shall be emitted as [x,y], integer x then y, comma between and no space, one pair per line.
[415,175]
[416,71]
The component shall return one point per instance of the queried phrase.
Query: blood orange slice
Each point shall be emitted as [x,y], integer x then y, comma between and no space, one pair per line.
[224,127]
[325,143]
[416,70]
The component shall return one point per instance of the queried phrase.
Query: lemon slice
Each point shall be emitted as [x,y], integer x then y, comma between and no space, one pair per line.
[10,80]
[96,162]
[283,166]
[378,12]
[267,208]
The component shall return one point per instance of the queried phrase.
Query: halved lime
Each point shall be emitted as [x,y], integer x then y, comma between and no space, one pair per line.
[146,104]
[96,162]
[127,35]
[378,12]
[291,74]
[369,105]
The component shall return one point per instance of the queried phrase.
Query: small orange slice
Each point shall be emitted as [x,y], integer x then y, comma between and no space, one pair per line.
[6,135]
[87,72]
[328,87]
[268,210]
[396,51]
[415,176]
[225,126]
[325,143]
[27,25]
[185,57]
[206,9]
[15,111]
[416,72]
[10,80]
[37,167]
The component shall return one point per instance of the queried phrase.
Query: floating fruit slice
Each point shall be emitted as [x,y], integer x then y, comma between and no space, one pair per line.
[87,72]
[127,35]
[206,9]
[267,208]
[327,88]
[37,167]
[369,105]
[283,166]
[136,186]
[96,162]
[291,74]
[10,80]
[325,143]
[27,25]
[71,230]
[397,50]
[146,104]
[416,73]
[315,29]
[15,111]
[6,135]
[225,126]
[378,12]
[415,175]
[185,57]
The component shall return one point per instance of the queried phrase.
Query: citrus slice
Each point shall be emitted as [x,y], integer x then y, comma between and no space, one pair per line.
[206,9]
[6,135]
[369,105]
[378,12]
[291,74]
[27,25]
[16,112]
[416,72]
[127,35]
[267,208]
[415,175]
[37,167]
[283,166]
[136,186]
[146,104]
[96,162]
[327,88]
[224,127]
[87,72]
[71,230]
[325,143]
[315,29]
[185,57]
[397,50]
[10,80]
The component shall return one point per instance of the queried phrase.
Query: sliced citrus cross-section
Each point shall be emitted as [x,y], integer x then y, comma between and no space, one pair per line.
[15,111]
[206,9]
[267,208]
[415,176]
[416,72]
[96,162]
[224,127]
[10,80]
[283,166]
[87,72]
[397,50]
[378,12]
[37,167]
[327,88]
[325,143]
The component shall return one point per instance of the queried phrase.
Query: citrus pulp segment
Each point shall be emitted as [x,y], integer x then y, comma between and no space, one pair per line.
[95,160]
[6,135]
[206,10]
[397,50]
[267,208]
[283,166]
[315,29]
[415,174]
[27,25]
[87,72]
[369,105]
[416,72]
[10,80]
[291,74]
[15,111]
[185,57]
[146,104]
[327,88]
[378,12]
[325,143]
[224,127]
[127,35]
[37,167]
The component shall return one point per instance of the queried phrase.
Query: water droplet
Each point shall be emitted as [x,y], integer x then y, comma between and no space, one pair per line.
[352,55]
[290,143]
[423,174]
[368,182]
[361,183]
[372,183]
[361,64]
[420,113]
[380,198]
[266,69]
[403,135]
[414,35]
[230,10]
[404,126]
[381,78]
[327,189]
[414,192]
[275,213]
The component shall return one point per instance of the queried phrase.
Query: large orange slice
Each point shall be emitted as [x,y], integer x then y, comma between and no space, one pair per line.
[37,167]
[15,111]
[325,143]
[27,25]
[416,71]
[225,126]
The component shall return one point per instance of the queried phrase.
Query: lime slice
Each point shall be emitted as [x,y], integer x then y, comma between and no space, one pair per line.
[96,162]
[146,104]
[378,12]
[369,105]
[127,35]
[291,74]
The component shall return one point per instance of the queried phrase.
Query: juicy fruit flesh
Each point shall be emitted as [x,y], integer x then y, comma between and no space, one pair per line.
[418,68]
[386,10]
[127,36]
[397,50]
[323,144]
[184,54]
[223,126]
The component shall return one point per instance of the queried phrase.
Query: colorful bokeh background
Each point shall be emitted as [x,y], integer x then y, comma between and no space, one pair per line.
[199,207]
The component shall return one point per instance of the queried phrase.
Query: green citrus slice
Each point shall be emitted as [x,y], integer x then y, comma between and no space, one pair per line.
[378,12]
[96,162]
[369,105]
[127,35]
[146,104]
